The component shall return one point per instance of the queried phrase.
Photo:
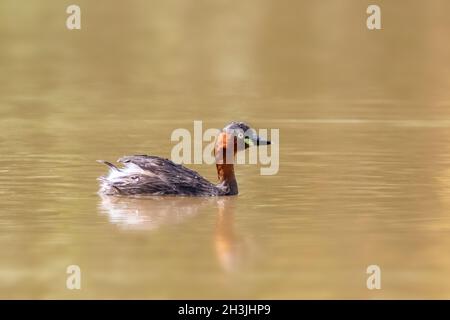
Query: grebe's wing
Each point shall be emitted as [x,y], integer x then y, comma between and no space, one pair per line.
[161,166]
[144,174]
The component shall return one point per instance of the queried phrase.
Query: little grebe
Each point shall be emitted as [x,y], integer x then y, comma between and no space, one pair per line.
[150,175]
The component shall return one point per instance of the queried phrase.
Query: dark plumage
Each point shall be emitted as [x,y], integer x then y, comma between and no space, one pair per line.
[144,174]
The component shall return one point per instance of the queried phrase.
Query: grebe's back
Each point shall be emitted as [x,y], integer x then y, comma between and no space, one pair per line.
[153,175]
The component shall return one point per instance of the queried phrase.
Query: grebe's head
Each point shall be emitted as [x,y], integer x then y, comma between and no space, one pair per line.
[240,136]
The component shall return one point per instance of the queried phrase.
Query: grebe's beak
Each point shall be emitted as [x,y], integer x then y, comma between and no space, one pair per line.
[262,142]
[256,141]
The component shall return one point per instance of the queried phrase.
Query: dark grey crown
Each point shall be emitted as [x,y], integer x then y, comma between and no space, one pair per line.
[237,125]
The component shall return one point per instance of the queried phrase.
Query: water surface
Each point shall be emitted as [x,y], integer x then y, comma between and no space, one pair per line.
[364,121]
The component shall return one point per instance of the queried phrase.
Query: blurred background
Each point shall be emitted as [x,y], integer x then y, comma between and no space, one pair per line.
[364,119]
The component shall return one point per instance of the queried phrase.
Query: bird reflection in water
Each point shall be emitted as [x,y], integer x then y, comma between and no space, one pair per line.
[152,213]
[226,242]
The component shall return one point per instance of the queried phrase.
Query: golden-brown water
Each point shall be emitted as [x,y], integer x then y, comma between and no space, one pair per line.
[364,119]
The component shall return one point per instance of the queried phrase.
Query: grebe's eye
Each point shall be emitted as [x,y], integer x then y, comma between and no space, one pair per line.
[240,135]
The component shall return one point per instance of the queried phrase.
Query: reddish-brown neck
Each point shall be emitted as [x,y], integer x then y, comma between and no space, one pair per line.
[225,172]
[225,152]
